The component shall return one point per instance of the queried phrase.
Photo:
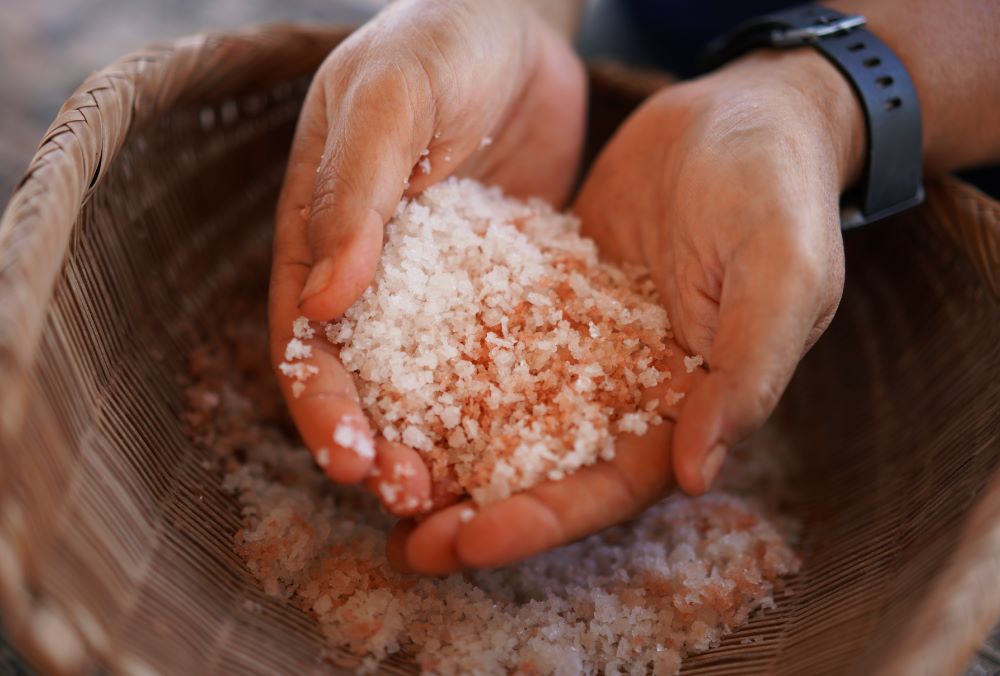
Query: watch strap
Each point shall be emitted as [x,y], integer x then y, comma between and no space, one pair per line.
[892,177]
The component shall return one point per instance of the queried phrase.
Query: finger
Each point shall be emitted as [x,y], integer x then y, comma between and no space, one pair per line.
[401,479]
[395,545]
[328,395]
[378,126]
[767,314]
[430,547]
[548,515]
[683,374]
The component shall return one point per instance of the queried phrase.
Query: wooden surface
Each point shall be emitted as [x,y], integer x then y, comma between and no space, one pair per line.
[47,48]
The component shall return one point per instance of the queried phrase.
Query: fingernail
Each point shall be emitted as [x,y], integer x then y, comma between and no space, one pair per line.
[318,280]
[711,464]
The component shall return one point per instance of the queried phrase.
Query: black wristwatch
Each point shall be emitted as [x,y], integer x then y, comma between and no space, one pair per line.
[892,179]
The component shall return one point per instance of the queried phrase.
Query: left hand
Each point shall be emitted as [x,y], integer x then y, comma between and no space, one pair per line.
[727,188]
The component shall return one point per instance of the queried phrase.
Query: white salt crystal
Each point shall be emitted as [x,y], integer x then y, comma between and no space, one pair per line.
[466,515]
[298,387]
[302,329]
[322,456]
[693,362]
[486,141]
[671,397]
[451,416]
[298,370]
[649,377]
[346,435]
[413,436]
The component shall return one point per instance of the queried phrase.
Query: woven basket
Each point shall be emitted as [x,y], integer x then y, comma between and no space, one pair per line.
[148,202]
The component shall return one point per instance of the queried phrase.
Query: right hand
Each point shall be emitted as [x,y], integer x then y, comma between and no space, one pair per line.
[490,91]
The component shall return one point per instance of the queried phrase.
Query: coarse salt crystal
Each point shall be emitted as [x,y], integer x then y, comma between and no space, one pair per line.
[693,362]
[298,370]
[322,456]
[302,329]
[298,387]
[346,435]
[466,515]
[671,398]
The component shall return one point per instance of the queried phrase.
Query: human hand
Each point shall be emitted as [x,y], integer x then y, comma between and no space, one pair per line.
[727,189]
[490,92]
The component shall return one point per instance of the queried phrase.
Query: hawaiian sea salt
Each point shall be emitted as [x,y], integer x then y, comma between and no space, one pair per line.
[497,343]
[635,599]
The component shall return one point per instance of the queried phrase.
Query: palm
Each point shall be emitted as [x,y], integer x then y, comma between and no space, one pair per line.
[555,512]
[713,197]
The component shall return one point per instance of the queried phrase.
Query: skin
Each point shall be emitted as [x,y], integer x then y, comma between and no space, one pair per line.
[726,187]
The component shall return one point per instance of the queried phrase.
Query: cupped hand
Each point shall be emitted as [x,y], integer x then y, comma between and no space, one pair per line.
[727,189]
[427,89]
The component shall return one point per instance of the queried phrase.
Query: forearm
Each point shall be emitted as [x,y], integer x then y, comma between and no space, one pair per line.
[952,52]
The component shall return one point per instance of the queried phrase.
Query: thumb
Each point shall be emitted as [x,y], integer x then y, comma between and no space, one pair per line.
[767,317]
[375,137]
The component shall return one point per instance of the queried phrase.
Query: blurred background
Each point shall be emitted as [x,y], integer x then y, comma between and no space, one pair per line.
[49,47]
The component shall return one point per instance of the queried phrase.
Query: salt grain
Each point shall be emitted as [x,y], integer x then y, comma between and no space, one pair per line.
[347,435]
[322,456]
[302,330]
[691,363]
[466,515]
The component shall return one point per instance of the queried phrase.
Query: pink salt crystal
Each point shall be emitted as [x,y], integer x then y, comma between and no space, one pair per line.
[298,387]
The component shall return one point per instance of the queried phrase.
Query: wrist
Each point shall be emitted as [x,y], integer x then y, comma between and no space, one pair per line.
[820,101]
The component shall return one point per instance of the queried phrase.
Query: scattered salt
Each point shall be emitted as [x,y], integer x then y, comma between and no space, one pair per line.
[671,398]
[466,515]
[296,349]
[349,436]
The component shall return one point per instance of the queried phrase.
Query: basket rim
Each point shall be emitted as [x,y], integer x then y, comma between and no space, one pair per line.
[84,139]
[37,222]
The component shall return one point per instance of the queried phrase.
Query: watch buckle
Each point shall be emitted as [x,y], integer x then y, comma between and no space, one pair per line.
[823,28]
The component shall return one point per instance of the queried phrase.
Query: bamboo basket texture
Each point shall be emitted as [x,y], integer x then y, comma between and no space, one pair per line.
[151,198]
